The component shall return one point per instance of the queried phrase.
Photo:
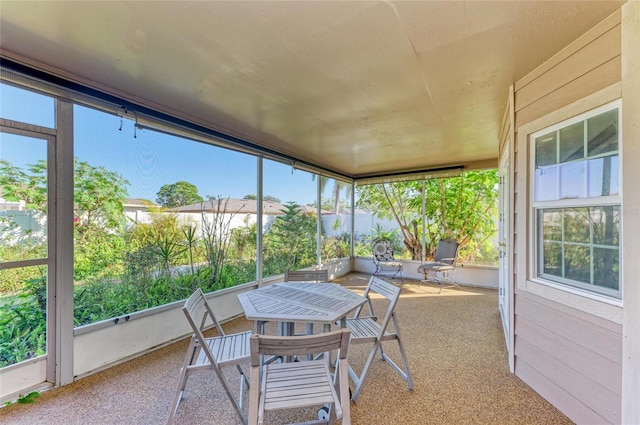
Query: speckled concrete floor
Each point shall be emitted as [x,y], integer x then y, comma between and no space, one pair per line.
[456,353]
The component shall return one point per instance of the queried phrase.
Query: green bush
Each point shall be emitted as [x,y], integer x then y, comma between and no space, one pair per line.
[23,323]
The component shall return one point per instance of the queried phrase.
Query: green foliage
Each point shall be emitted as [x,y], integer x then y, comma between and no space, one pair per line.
[253,197]
[463,208]
[29,398]
[178,194]
[23,322]
[336,247]
[98,212]
[216,236]
[11,280]
[30,187]
[335,203]
[244,242]
[290,242]
[98,195]
[98,256]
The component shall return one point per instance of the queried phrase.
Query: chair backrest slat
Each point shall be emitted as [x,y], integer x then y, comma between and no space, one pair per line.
[387,290]
[197,311]
[306,275]
[269,345]
[384,288]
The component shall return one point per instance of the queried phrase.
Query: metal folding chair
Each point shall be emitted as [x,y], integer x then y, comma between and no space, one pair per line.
[440,270]
[384,260]
[367,330]
[211,354]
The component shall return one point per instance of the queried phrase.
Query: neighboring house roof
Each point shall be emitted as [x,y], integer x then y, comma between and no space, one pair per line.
[239,206]
[138,204]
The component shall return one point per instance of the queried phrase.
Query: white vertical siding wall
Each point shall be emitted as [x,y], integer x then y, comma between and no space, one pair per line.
[566,347]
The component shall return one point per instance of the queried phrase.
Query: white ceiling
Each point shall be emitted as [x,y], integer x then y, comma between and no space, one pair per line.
[357,87]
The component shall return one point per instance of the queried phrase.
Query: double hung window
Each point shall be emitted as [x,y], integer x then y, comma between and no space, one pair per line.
[576,202]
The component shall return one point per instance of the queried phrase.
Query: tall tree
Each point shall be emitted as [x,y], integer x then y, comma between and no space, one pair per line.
[463,208]
[98,194]
[178,194]
[290,241]
[338,185]
[253,197]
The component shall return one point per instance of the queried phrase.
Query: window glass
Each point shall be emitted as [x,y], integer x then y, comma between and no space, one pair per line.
[576,263]
[547,150]
[604,175]
[156,217]
[336,219]
[571,143]
[585,251]
[290,218]
[580,174]
[606,222]
[606,267]
[26,106]
[552,228]
[552,258]
[572,180]
[23,237]
[576,225]
[546,183]
[580,243]
[602,133]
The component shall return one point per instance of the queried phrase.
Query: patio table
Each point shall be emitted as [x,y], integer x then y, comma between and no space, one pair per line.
[299,302]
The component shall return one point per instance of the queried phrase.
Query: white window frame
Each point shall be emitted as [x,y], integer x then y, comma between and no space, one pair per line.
[536,240]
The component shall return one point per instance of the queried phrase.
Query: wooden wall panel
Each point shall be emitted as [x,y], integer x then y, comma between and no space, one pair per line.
[611,21]
[571,357]
[593,366]
[565,402]
[603,76]
[604,402]
[585,60]
[598,339]
[582,358]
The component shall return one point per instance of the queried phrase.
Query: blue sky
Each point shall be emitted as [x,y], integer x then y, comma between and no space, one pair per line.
[151,159]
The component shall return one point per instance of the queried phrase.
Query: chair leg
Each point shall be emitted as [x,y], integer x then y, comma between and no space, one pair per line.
[230,396]
[359,380]
[178,397]
[182,381]
[342,381]
[404,373]
[244,383]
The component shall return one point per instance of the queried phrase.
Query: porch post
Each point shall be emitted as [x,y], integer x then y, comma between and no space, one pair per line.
[631,212]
